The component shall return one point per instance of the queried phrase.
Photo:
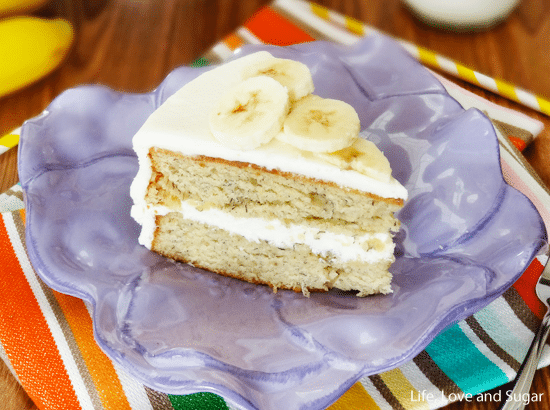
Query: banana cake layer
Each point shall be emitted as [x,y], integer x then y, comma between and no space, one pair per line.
[273,212]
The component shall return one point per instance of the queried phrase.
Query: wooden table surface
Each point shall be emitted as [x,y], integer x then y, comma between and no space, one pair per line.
[133,45]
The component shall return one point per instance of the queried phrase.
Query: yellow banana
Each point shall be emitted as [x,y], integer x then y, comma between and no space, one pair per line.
[30,48]
[8,7]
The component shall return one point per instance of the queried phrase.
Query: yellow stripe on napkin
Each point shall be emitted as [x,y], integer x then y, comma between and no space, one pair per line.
[8,141]
[403,390]
[321,11]
[355,26]
[356,398]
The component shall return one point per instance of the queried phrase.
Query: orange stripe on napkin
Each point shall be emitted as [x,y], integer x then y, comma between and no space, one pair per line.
[519,143]
[272,28]
[525,286]
[30,348]
[101,369]
[232,41]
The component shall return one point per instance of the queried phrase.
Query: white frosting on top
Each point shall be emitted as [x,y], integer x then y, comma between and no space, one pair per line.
[181,125]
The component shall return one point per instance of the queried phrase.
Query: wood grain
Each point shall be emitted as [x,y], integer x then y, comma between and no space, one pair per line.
[132,45]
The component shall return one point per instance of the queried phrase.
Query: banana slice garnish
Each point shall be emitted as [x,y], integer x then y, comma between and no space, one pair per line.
[318,124]
[295,76]
[250,114]
[275,100]
[362,156]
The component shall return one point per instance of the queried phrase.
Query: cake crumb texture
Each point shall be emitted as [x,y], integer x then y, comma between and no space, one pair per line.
[246,191]
[294,268]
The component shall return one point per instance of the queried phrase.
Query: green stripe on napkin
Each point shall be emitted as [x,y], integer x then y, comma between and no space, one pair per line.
[486,376]
[198,401]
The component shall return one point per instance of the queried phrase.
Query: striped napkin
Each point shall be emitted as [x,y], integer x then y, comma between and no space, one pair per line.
[46,337]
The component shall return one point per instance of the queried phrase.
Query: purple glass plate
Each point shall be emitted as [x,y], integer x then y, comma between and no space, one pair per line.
[466,237]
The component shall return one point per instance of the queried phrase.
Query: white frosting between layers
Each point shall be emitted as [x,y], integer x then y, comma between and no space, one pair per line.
[322,243]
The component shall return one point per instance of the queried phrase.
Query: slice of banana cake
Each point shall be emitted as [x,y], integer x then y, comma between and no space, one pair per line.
[247,173]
